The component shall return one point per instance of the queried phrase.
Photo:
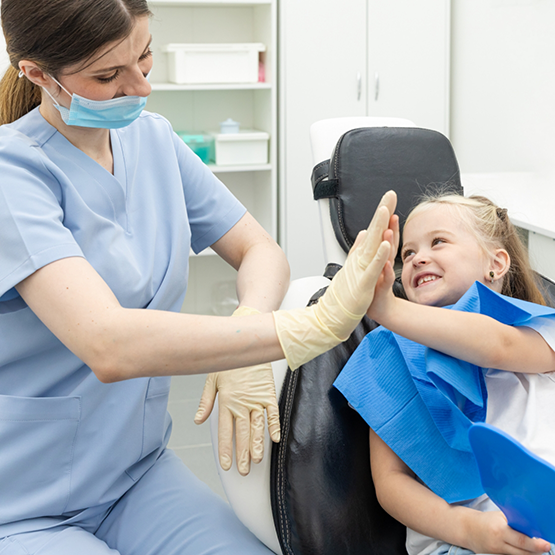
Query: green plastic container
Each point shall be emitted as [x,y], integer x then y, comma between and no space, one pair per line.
[201,144]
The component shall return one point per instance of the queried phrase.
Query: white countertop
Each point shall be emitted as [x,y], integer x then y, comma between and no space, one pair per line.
[529,198]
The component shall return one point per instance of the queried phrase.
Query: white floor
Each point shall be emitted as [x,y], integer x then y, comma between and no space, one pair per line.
[192,443]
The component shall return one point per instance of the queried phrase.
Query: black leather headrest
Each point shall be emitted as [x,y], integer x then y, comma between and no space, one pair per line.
[369,161]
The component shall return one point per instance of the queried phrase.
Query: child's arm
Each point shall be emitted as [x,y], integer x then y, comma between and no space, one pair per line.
[414,505]
[475,338]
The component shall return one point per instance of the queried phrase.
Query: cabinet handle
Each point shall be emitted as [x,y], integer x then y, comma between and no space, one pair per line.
[376,85]
[359,85]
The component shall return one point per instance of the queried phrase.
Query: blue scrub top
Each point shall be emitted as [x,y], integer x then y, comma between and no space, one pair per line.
[69,442]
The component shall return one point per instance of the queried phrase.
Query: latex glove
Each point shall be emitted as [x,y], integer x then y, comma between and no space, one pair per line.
[243,395]
[308,332]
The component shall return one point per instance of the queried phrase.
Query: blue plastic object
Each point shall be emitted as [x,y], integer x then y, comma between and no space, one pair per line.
[520,483]
[201,144]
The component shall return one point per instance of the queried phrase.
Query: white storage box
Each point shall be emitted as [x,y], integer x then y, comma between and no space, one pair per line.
[190,64]
[246,147]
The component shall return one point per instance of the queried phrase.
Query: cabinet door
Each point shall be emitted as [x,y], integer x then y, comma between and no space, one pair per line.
[323,75]
[408,61]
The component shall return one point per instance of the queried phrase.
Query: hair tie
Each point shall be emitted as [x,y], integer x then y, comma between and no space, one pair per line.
[501,213]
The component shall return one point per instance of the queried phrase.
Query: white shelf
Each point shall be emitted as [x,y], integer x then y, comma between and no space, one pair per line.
[244,168]
[214,87]
[211,3]
[205,106]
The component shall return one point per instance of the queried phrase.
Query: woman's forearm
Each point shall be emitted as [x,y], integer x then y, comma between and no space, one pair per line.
[262,268]
[119,343]
[156,343]
[263,278]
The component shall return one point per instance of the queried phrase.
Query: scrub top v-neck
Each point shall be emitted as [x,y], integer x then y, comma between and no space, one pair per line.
[70,442]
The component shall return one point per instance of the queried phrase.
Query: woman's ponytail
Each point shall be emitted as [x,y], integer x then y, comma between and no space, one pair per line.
[18,96]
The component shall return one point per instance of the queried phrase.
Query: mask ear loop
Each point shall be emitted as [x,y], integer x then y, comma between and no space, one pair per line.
[53,99]
[57,82]
[21,74]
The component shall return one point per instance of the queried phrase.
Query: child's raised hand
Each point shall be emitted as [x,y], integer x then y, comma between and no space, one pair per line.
[384,288]
[490,533]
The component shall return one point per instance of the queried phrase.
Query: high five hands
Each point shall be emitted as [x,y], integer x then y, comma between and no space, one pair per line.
[304,333]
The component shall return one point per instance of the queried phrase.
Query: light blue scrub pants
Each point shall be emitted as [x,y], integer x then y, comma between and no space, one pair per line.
[167,512]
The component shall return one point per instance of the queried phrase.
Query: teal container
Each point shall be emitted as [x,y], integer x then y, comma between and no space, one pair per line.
[201,144]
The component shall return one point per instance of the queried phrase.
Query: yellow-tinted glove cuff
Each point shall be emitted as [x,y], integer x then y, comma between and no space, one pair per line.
[245,311]
[303,335]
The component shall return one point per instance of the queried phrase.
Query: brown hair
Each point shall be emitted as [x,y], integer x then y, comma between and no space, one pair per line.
[56,34]
[494,230]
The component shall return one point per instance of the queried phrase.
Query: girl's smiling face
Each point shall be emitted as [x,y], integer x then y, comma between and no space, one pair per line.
[441,257]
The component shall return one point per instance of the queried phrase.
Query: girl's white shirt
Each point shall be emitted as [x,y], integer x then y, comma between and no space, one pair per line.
[520,405]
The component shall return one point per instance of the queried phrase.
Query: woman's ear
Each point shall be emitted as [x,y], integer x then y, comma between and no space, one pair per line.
[499,266]
[33,72]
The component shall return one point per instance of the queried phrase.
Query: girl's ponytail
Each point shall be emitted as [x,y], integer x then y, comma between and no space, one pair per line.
[18,96]
[520,281]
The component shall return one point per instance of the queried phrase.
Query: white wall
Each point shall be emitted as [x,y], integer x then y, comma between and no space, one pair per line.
[503,85]
[4,61]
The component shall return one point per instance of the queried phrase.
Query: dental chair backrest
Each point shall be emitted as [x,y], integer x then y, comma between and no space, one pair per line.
[324,135]
[369,156]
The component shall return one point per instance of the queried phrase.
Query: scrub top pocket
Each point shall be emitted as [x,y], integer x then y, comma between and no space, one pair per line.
[156,417]
[156,424]
[37,436]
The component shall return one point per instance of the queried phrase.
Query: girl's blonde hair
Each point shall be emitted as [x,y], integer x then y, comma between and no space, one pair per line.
[494,230]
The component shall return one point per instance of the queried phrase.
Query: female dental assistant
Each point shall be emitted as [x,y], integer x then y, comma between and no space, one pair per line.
[100,203]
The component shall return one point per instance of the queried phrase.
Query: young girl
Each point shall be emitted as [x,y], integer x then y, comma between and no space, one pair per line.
[451,242]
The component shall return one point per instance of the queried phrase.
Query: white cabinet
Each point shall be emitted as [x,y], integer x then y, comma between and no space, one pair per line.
[354,58]
[323,75]
[408,61]
[201,108]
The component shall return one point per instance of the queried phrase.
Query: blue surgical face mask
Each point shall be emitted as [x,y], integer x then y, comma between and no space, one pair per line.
[100,114]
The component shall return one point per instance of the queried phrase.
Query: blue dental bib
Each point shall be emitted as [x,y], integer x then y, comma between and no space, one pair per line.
[422,402]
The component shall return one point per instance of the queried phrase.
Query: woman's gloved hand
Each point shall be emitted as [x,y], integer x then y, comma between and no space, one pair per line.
[243,395]
[308,332]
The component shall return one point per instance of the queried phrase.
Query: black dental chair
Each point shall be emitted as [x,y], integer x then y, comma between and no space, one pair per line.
[314,495]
